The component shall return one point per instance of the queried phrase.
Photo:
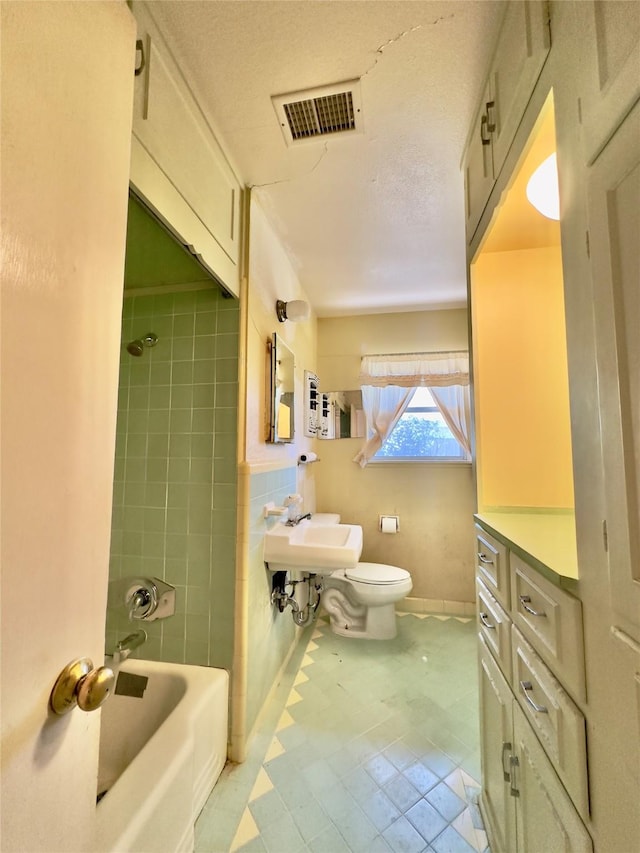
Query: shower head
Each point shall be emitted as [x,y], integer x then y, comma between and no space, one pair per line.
[137,347]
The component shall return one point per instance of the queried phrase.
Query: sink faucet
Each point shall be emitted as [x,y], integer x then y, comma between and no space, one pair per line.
[125,647]
[292,522]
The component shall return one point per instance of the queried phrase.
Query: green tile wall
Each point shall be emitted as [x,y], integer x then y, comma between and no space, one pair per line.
[174,502]
[270,633]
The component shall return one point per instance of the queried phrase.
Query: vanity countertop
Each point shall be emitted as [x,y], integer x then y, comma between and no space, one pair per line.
[547,539]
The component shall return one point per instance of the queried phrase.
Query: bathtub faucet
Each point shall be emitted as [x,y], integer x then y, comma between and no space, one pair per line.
[125,647]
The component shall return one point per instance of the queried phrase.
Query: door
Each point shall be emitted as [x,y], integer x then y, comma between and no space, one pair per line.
[611,82]
[478,167]
[524,46]
[496,747]
[67,88]
[546,818]
[614,225]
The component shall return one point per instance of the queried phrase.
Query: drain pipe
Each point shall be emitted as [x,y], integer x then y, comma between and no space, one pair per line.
[307,615]
[301,616]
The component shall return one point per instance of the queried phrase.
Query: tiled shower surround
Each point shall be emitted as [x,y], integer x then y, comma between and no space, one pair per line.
[174,503]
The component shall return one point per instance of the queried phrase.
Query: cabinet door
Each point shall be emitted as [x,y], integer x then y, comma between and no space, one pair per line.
[523,47]
[546,818]
[614,226]
[496,709]
[177,166]
[478,167]
[611,68]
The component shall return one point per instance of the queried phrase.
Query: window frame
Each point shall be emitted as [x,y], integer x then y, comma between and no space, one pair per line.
[463,459]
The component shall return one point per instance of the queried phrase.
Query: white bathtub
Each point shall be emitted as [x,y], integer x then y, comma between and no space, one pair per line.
[160,756]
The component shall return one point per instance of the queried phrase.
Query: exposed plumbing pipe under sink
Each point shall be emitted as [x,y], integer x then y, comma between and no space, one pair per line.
[302,616]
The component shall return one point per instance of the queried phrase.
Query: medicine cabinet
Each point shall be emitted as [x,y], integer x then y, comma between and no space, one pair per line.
[282,376]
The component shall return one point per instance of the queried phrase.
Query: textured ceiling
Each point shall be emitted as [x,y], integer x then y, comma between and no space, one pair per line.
[374,221]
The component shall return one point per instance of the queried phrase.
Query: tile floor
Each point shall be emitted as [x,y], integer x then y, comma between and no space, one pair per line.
[366,746]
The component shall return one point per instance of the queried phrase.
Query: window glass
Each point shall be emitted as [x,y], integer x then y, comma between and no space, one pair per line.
[421,433]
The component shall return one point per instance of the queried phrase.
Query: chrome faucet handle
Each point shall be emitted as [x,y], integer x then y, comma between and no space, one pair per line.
[165,600]
[143,598]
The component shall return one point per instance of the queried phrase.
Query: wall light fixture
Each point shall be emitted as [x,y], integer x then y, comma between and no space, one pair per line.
[296,310]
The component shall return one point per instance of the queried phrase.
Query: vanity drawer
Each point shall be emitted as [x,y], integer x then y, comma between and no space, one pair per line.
[555,718]
[495,626]
[551,620]
[493,565]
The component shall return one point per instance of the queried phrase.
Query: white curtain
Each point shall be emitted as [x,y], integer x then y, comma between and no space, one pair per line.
[433,369]
[389,381]
[383,408]
[454,403]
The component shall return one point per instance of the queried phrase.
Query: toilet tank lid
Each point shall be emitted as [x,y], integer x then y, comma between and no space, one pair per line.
[377,573]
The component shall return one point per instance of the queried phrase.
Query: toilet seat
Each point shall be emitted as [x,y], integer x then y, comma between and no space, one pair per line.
[377,573]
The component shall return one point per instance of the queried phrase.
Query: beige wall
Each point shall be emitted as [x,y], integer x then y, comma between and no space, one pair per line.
[264,637]
[435,501]
[272,277]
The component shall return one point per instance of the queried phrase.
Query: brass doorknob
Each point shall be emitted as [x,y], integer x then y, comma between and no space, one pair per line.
[82,685]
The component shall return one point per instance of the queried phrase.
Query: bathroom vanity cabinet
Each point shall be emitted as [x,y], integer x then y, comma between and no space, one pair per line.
[556,360]
[177,166]
[533,736]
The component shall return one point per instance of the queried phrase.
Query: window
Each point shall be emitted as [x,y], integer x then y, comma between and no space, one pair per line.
[416,407]
[421,433]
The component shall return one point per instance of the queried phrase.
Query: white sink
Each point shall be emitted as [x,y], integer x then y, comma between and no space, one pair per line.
[318,549]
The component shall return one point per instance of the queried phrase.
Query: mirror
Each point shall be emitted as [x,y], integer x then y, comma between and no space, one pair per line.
[282,387]
[341,415]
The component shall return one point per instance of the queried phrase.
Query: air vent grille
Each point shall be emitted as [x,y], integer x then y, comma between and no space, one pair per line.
[319,116]
[315,113]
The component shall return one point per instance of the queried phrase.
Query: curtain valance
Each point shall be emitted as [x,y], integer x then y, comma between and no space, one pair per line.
[431,369]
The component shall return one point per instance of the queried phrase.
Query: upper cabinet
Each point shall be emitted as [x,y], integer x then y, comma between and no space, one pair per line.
[611,69]
[524,43]
[177,166]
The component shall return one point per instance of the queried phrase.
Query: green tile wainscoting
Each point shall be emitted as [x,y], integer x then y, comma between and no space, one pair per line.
[271,634]
[175,481]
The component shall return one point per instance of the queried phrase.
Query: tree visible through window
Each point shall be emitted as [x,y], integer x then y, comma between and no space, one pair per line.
[421,432]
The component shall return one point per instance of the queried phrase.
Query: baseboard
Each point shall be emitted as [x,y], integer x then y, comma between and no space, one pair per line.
[436,605]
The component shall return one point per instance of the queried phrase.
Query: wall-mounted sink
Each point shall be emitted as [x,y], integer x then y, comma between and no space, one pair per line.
[318,549]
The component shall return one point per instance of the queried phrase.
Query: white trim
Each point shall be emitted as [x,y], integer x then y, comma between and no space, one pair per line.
[420,460]
[263,467]
[436,605]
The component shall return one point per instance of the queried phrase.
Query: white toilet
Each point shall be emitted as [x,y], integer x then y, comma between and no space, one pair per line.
[361,601]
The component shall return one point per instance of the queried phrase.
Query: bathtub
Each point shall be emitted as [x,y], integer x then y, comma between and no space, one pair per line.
[160,756]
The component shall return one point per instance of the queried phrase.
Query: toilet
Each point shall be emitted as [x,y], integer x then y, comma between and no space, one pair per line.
[361,600]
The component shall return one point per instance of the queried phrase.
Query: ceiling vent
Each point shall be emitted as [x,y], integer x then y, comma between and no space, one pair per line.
[317,113]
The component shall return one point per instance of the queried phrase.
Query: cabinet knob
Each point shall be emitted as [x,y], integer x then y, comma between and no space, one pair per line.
[484,126]
[140,49]
[491,125]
